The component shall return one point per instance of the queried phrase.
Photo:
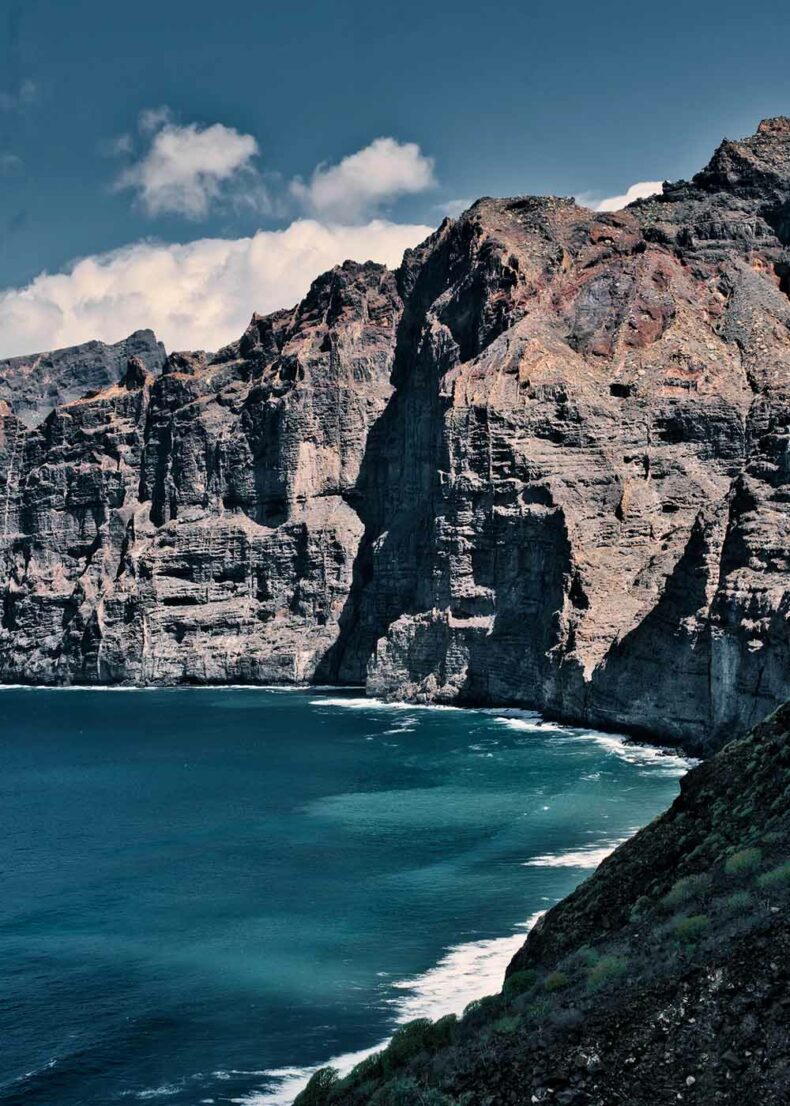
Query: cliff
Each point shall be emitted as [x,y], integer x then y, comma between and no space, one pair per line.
[545,463]
[661,979]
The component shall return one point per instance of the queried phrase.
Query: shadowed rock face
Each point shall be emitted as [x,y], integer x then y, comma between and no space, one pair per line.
[545,463]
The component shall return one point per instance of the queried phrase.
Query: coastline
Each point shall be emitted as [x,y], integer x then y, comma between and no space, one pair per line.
[630,734]
[469,969]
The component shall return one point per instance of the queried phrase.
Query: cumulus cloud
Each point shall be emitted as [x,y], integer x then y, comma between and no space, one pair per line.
[198,295]
[360,184]
[186,169]
[639,191]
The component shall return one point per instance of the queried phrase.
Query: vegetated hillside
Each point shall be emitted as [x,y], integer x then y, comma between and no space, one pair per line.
[662,979]
[545,463]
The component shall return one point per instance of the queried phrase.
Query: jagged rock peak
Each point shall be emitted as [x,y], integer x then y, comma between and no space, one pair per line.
[754,167]
[34,384]
[135,375]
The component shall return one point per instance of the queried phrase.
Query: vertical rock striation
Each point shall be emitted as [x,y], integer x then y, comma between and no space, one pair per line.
[194,526]
[546,463]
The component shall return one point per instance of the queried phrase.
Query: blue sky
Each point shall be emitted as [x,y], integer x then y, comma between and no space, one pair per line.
[500,98]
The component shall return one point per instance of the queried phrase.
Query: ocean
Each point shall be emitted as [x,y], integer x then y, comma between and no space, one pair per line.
[206,893]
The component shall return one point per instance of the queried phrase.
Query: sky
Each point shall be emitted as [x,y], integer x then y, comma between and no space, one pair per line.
[180,164]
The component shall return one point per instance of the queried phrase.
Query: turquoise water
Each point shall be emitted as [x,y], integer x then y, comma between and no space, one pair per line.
[206,891]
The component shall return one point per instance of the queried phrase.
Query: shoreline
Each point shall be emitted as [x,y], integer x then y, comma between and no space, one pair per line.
[631,734]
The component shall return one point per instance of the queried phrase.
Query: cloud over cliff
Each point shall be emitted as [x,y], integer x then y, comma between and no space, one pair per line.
[200,294]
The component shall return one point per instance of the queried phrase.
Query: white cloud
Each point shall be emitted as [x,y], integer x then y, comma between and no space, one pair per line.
[186,169]
[453,208]
[639,191]
[151,119]
[198,295]
[361,183]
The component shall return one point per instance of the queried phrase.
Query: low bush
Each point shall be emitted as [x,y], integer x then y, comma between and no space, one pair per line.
[555,981]
[689,928]
[538,1011]
[519,982]
[586,955]
[443,1032]
[739,902]
[483,1009]
[687,888]
[407,1092]
[369,1068]
[409,1041]
[508,1024]
[776,877]
[743,861]
[608,970]
[640,908]
[317,1091]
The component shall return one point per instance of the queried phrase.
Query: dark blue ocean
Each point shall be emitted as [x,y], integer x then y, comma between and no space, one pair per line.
[205,892]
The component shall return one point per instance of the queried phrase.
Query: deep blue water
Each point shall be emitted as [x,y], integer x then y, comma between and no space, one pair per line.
[202,886]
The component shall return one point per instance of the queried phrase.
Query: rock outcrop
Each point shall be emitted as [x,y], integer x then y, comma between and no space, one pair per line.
[545,463]
[40,382]
[661,979]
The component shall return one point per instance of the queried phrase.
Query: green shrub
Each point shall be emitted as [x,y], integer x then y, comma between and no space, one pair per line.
[483,1009]
[443,1031]
[687,888]
[555,981]
[406,1091]
[640,908]
[408,1041]
[539,1010]
[508,1024]
[689,928]
[519,982]
[317,1091]
[585,955]
[776,877]
[607,970]
[369,1068]
[743,862]
[739,902]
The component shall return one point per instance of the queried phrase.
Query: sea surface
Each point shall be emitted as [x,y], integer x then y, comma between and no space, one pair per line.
[205,893]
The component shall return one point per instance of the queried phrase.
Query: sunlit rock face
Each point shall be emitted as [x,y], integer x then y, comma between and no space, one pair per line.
[545,463]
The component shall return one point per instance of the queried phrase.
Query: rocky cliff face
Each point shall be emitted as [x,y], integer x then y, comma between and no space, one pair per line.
[545,463]
[193,526]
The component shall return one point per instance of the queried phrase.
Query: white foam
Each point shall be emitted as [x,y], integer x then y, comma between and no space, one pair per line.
[659,760]
[647,756]
[589,856]
[372,703]
[465,972]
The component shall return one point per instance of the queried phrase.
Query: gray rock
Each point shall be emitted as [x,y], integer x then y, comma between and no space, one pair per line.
[35,384]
